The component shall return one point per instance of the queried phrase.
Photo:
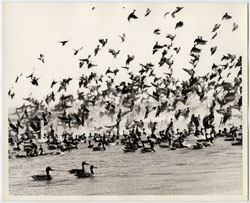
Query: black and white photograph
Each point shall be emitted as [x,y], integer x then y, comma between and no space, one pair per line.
[125,101]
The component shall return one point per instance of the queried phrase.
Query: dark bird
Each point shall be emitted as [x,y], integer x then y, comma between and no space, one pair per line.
[90,65]
[157,31]
[226,17]
[97,49]
[77,50]
[178,9]
[195,50]
[41,58]
[53,83]
[123,36]
[12,95]
[179,24]
[77,171]
[177,49]
[125,67]
[132,15]
[93,8]
[148,11]
[214,35]
[103,42]
[63,42]
[113,52]
[200,41]
[165,14]
[129,59]
[171,37]
[30,76]
[216,27]
[17,77]
[213,50]
[34,81]
[44,177]
[235,27]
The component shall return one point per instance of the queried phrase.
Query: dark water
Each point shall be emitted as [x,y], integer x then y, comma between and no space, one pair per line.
[215,170]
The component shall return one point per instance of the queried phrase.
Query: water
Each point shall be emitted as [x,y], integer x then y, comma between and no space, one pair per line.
[216,170]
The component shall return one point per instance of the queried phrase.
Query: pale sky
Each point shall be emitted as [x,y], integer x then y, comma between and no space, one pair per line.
[31,29]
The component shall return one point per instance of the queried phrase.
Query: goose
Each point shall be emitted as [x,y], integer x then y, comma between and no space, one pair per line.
[43,177]
[87,175]
[76,171]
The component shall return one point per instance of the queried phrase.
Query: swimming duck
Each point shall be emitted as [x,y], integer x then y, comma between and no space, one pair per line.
[44,177]
[77,171]
[87,175]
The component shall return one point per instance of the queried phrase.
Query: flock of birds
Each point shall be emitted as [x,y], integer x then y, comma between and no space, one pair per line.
[164,90]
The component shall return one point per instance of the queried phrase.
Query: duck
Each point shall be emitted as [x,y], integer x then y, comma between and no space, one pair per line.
[77,171]
[44,177]
[87,175]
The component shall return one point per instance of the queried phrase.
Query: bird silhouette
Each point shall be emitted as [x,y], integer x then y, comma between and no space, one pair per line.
[132,15]
[235,27]
[179,24]
[226,17]
[77,50]
[97,49]
[53,83]
[178,9]
[103,42]
[214,35]
[113,52]
[41,58]
[213,50]
[216,27]
[17,77]
[64,42]
[129,59]
[157,31]
[165,14]
[123,36]
[148,11]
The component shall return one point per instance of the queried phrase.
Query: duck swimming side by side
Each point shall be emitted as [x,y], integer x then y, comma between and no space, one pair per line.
[87,175]
[78,171]
[44,177]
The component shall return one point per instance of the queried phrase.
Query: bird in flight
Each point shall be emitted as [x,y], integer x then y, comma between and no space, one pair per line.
[113,52]
[17,77]
[123,36]
[132,15]
[41,58]
[235,27]
[129,59]
[216,27]
[179,24]
[157,31]
[148,11]
[63,42]
[178,9]
[53,83]
[165,14]
[77,50]
[103,42]
[226,17]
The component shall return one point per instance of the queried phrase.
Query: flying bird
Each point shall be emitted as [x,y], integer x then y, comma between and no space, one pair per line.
[41,58]
[179,24]
[97,49]
[165,14]
[148,11]
[213,50]
[113,52]
[235,27]
[157,31]
[132,15]
[53,83]
[216,27]
[129,59]
[103,42]
[178,9]
[63,42]
[17,77]
[123,36]
[214,35]
[226,17]
[77,50]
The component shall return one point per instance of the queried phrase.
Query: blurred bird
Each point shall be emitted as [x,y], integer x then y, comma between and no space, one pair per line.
[226,17]
[148,11]
[113,52]
[179,24]
[157,31]
[77,50]
[132,15]
[213,50]
[235,27]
